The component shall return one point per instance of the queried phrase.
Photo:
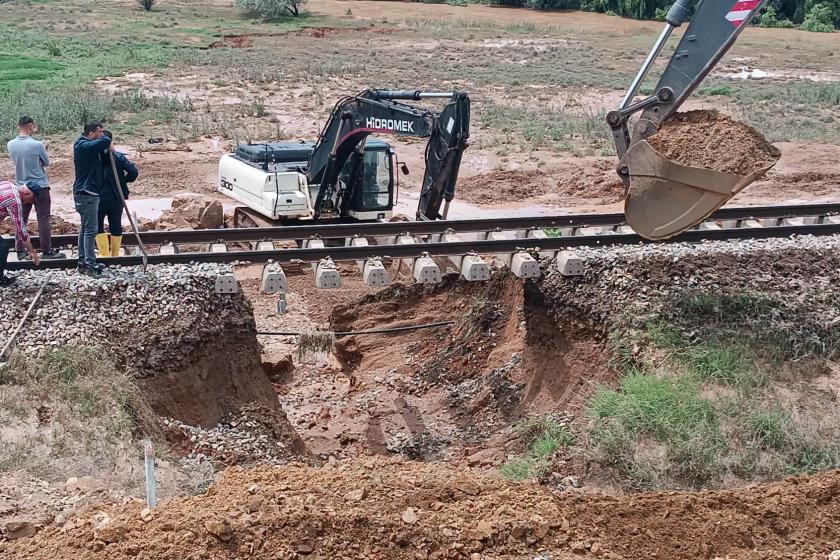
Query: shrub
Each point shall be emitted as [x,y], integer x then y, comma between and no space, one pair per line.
[771,19]
[147,4]
[270,10]
[819,19]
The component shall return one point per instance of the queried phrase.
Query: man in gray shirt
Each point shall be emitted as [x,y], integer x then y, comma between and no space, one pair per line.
[30,159]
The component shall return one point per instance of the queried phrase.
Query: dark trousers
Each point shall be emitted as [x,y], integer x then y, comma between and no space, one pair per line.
[43,205]
[114,215]
[4,255]
[87,206]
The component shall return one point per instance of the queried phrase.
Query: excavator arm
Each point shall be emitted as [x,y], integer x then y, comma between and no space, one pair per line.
[664,198]
[377,111]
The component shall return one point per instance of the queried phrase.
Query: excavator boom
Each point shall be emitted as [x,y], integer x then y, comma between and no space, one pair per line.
[378,111]
[664,198]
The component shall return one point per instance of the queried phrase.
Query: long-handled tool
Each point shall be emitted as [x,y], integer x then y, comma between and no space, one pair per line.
[118,187]
[26,315]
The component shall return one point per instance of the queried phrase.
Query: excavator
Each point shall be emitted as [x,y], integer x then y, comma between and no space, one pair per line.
[347,173]
[662,197]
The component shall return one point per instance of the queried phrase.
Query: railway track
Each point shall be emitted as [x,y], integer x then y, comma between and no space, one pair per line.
[513,242]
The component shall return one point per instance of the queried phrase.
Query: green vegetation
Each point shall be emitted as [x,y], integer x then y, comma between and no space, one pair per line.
[16,68]
[552,128]
[694,408]
[79,396]
[543,436]
[811,15]
[271,10]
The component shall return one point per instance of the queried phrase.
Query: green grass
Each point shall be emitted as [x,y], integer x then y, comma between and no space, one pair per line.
[696,401]
[21,69]
[544,436]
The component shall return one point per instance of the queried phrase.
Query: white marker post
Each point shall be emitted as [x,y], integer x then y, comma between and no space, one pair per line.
[149,454]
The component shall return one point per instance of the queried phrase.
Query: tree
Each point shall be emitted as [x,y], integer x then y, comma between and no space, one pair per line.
[147,4]
[271,9]
[819,19]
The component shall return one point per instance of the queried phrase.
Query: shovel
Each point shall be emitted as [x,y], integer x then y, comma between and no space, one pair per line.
[118,188]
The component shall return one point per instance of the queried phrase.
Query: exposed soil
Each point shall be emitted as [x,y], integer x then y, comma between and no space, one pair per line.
[441,392]
[58,226]
[385,509]
[594,181]
[711,140]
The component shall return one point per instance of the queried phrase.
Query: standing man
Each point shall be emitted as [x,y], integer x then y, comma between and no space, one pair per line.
[12,199]
[30,159]
[89,150]
[110,203]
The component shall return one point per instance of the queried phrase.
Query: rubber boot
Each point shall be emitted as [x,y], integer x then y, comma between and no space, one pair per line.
[116,240]
[102,245]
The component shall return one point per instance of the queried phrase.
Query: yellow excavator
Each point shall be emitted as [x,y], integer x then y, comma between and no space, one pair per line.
[662,197]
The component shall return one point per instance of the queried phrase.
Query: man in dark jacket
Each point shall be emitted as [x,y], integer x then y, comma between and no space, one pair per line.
[110,203]
[88,152]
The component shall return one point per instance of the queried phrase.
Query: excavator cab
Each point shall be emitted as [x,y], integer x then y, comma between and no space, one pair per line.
[367,180]
[662,197]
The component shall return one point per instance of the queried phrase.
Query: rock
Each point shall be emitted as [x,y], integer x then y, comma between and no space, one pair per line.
[254,488]
[409,516]
[304,549]
[218,528]
[110,532]
[20,530]
[578,547]
[146,515]
[467,485]
[484,457]
[356,495]
[324,413]
[834,555]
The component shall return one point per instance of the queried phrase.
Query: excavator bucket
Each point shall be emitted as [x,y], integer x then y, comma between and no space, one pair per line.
[665,198]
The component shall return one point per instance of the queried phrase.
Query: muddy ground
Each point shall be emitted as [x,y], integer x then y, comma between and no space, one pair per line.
[538,136]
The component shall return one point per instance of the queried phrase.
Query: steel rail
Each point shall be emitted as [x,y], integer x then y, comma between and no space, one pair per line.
[352,253]
[367,229]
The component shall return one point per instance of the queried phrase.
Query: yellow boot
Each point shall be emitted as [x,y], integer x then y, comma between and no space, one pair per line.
[115,245]
[102,246]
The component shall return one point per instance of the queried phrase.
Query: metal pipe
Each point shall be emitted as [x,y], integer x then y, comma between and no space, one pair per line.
[436,95]
[643,72]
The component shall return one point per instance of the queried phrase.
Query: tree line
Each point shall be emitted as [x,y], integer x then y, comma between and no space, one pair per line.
[810,15]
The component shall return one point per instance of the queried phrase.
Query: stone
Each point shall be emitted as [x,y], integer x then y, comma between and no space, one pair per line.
[110,532]
[218,528]
[304,549]
[356,495]
[409,516]
[467,485]
[483,457]
[20,530]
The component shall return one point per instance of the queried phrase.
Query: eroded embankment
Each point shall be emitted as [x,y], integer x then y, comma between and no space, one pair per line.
[194,352]
[460,389]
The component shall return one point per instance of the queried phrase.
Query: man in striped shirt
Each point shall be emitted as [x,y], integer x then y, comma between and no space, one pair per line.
[12,199]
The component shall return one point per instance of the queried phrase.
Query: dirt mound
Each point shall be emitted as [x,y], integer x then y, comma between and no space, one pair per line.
[58,226]
[394,510]
[594,180]
[711,140]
